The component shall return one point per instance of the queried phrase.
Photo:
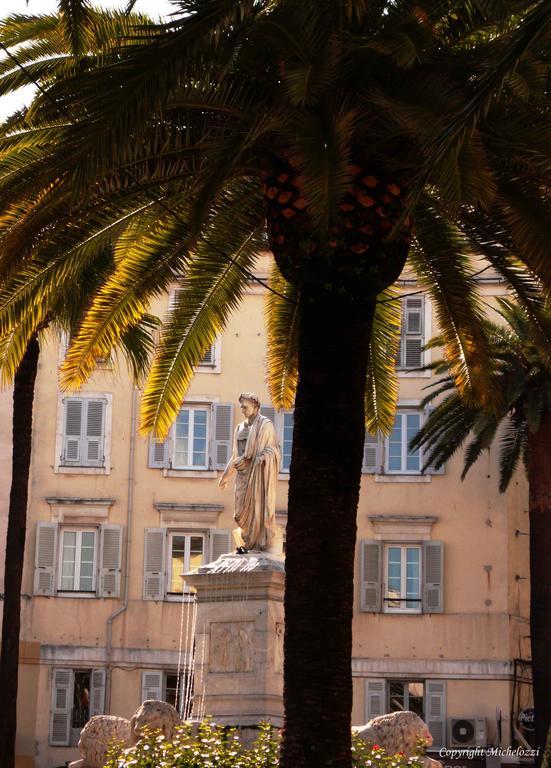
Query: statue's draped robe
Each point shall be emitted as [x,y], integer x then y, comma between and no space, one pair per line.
[255,486]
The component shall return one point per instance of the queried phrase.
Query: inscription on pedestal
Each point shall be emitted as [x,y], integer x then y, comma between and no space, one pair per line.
[231,646]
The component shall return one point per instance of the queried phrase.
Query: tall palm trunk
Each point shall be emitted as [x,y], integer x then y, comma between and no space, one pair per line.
[539,477]
[321,532]
[23,395]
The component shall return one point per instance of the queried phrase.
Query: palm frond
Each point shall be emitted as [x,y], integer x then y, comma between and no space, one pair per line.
[281,315]
[381,395]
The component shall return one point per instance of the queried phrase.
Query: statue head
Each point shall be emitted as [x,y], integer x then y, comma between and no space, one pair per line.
[250,404]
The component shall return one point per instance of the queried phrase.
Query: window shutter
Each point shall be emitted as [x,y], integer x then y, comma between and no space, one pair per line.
[269,411]
[72,447]
[95,418]
[158,453]
[370,584]
[209,358]
[435,711]
[372,455]
[62,704]
[430,470]
[414,315]
[222,434]
[413,353]
[153,582]
[433,587]
[97,692]
[411,344]
[220,543]
[375,703]
[152,685]
[44,558]
[111,554]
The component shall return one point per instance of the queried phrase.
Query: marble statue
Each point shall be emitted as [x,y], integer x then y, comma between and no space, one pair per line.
[102,731]
[399,732]
[255,460]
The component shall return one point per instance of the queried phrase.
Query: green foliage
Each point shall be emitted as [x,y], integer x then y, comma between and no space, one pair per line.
[211,746]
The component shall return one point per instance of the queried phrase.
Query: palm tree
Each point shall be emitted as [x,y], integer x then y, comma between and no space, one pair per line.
[519,417]
[325,130]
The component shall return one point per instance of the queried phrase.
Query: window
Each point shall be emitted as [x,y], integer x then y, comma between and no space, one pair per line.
[170,687]
[400,458]
[427,698]
[211,360]
[169,553]
[287,425]
[200,439]
[410,355]
[77,695]
[78,561]
[406,695]
[185,552]
[191,439]
[403,578]
[83,432]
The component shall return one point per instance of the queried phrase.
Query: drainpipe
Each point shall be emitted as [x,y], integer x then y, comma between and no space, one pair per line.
[129,510]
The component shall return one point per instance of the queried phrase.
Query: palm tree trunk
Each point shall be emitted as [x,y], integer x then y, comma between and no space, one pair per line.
[23,395]
[539,477]
[321,532]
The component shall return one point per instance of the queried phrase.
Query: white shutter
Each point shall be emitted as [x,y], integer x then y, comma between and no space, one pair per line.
[220,543]
[269,411]
[370,581]
[413,353]
[44,558]
[372,455]
[433,577]
[154,556]
[209,358]
[412,335]
[110,564]
[72,430]
[375,703]
[152,685]
[95,419]
[62,705]
[159,451]
[97,692]
[435,711]
[414,315]
[222,432]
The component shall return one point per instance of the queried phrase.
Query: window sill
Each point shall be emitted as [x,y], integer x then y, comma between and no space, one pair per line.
[404,373]
[283,476]
[403,478]
[79,595]
[208,369]
[204,473]
[176,598]
[64,469]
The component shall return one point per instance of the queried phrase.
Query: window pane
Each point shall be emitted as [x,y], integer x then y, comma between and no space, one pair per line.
[177,563]
[396,696]
[395,446]
[412,577]
[413,457]
[195,552]
[68,560]
[199,438]
[394,576]
[288,425]
[171,684]
[415,698]
[181,437]
[87,550]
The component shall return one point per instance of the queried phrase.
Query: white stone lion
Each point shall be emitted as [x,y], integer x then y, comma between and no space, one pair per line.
[101,731]
[398,732]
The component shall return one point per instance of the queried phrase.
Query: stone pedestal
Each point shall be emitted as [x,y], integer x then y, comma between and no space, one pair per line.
[239,639]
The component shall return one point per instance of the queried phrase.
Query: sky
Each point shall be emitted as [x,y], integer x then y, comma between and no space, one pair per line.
[13,101]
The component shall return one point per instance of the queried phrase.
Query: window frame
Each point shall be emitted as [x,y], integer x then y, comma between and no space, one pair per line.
[192,408]
[390,680]
[386,599]
[63,529]
[61,466]
[404,413]
[189,533]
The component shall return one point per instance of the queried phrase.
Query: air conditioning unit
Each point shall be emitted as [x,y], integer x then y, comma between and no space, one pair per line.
[467,732]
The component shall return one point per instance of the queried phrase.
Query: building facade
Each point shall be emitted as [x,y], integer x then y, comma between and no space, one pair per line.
[442,594]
